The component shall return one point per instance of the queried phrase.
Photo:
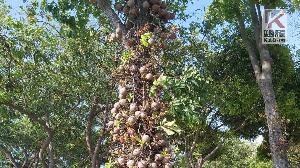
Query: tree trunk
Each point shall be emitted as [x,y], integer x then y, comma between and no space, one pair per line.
[51,155]
[199,163]
[276,138]
[263,74]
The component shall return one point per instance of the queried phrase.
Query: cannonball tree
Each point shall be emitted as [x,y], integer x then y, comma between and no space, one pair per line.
[143,29]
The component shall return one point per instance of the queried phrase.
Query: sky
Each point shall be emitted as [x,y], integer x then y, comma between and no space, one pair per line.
[196,9]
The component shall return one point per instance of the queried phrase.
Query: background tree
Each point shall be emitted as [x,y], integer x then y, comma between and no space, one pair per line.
[261,67]
[50,84]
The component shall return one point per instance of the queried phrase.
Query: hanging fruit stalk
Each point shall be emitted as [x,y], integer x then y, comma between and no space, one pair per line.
[137,140]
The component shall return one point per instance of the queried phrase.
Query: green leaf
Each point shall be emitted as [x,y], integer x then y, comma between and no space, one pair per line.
[145,37]
[170,127]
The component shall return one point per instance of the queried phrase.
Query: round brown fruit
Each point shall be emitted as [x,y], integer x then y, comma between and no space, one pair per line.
[117,105]
[121,160]
[163,5]
[118,116]
[149,77]
[123,91]
[155,106]
[155,7]
[153,165]
[159,157]
[130,3]
[133,68]
[113,110]
[130,163]
[137,114]
[143,69]
[131,120]
[146,138]
[126,10]
[136,151]
[119,6]
[133,12]
[146,5]
[123,102]
[142,164]
[133,107]
[163,13]
[168,165]
[151,41]
[143,115]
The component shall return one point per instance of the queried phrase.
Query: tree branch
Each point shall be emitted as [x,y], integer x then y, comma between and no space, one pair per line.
[44,146]
[256,23]
[95,162]
[10,157]
[90,121]
[30,115]
[249,47]
[34,118]
[105,7]
[201,160]
[259,13]
[264,53]
[212,153]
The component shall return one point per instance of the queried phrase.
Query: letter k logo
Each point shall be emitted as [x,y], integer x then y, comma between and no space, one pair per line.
[274,19]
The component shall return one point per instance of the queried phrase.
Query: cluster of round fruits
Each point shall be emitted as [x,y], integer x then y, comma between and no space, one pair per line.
[156,8]
[137,140]
[139,12]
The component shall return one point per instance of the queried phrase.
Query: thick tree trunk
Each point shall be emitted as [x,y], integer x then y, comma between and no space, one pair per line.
[276,138]
[263,74]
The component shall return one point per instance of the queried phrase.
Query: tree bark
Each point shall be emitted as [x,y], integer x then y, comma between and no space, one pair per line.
[263,74]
